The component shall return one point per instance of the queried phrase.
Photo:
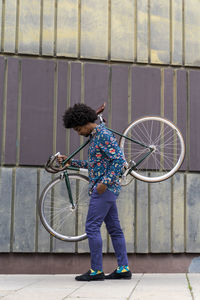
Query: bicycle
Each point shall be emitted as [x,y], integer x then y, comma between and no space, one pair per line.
[154,150]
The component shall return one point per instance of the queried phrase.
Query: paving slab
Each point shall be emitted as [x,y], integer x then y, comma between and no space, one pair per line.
[194,280]
[162,286]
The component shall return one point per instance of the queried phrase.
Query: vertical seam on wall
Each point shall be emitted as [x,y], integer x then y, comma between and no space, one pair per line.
[36,211]
[4,112]
[41,26]
[188,122]
[135,31]
[170,31]
[175,97]
[183,32]
[185,213]
[79,29]
[162,88]
[82,98]
[2,25]
[109,29]
[135,218]
[172,214]
[55,106]
[12,209]
[149,217]
[55,28]
[149,31]
[19,114]
[68,105]
[17,27]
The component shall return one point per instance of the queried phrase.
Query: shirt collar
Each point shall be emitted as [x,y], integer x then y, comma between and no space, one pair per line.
[96,130]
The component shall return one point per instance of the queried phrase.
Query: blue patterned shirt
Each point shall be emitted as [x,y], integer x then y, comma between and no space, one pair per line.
[105,160]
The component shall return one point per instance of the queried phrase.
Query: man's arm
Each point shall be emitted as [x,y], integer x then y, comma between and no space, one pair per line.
[74,162]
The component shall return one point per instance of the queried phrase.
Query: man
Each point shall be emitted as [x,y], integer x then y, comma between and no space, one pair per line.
[104,164]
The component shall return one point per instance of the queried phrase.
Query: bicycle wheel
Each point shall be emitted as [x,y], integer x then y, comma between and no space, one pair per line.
[56,212]
[166,141]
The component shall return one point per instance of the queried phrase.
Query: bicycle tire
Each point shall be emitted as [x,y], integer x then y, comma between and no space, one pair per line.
[55,210]
[164,137]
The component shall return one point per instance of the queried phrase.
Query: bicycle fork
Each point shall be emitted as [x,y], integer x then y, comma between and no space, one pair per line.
[68,186]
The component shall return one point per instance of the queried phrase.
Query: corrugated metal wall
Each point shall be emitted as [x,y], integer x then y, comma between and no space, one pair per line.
[96,51]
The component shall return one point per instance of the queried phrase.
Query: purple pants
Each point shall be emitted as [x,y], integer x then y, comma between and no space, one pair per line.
[103,208]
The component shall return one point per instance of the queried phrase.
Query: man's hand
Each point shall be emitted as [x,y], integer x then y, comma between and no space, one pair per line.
[61,158]
[101,188]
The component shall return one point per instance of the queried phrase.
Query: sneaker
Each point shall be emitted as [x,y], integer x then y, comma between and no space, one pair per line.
[120,273]
[91,275]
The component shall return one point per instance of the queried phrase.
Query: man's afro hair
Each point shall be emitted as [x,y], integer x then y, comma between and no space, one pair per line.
[79,115]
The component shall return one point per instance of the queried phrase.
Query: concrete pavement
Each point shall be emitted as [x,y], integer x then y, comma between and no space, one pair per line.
[140,287]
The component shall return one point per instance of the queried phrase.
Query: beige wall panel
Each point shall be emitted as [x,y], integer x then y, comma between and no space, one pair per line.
[160,31]
[94,29]
[142,31]
[10,25]
[142,218]
[192,32]
[67,28]
[160,210]
[178,213]
[177,32]
[122,29]
[29,26]
[48,27]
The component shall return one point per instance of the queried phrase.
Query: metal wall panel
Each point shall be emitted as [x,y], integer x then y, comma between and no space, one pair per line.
[10,156]
[67,28]
[37,111]
[29,27]
[146,92]
[48,21]
[160,31]
[176,32]
[2,82]
[194,90]
[62,93]
[192,32]
[10,25]
[142,31]
[94,29]
[123,30]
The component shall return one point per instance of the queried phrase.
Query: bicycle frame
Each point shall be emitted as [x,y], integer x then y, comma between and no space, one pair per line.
[83,146]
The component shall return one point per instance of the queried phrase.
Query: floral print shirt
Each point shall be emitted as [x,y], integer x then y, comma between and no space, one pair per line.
[105,160]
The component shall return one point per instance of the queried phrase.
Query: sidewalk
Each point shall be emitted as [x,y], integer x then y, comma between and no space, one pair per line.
[140,287]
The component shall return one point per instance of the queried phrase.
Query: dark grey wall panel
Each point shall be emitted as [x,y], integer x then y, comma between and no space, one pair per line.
[146,86]
[182,106]
[61,105]
[119,92]
[11,111]
[2,74]
[168,94]
[37,104]
[194,90]
[96,85]
[75,97]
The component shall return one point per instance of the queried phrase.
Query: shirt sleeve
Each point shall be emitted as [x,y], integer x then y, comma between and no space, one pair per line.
[109,146]
[79,163]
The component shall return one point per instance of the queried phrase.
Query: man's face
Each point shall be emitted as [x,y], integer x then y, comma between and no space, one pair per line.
[84,130]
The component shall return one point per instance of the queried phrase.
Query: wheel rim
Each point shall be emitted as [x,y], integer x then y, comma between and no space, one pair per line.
[167,144]
[56,212]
